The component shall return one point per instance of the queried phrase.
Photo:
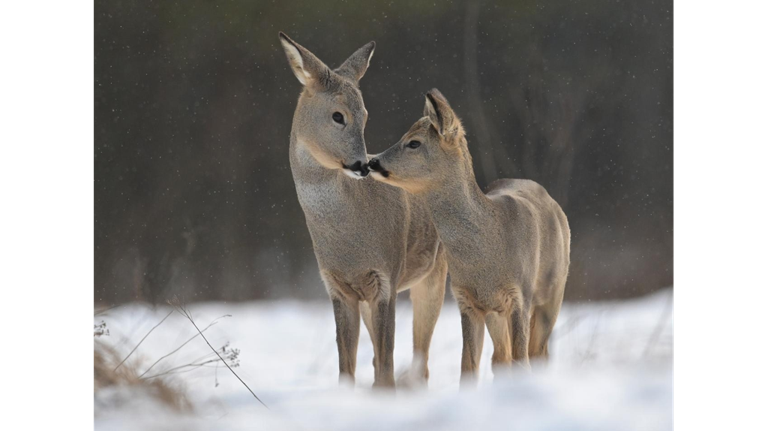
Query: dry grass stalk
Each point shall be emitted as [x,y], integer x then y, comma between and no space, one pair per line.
[181,309]
[105,375]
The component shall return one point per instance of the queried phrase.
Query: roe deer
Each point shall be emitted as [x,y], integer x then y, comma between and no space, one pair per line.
[508,250]
[371,240]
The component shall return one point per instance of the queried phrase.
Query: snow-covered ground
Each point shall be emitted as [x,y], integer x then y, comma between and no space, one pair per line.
[610,369]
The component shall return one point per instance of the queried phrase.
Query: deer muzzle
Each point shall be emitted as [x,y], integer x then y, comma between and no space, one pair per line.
[375,166]
[359,168]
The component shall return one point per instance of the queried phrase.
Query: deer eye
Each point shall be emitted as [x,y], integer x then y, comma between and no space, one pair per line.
[337,117]
[413,144]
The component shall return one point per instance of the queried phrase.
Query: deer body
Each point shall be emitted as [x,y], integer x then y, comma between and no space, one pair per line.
[508,250]
[371,240]
[346,217]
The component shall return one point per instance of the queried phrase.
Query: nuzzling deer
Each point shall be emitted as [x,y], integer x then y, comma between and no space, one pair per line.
[508,250]
[371,240]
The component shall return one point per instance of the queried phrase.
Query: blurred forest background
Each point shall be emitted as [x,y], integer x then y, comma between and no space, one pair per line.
[193,108]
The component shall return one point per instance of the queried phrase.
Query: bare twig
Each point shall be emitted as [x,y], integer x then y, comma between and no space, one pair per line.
[142,340]
[183,344]
[202,362]
[185,313]
[185,367]
[100,329]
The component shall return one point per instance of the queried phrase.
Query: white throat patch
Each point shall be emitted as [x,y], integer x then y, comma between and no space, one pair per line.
[351,174]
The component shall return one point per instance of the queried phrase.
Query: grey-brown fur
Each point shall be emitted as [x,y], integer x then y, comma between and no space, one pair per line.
[508,249]
[371,240]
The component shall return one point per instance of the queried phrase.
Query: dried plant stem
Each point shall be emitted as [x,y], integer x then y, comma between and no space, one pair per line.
[184,312]
[176,370]
[180,347]
[142,340]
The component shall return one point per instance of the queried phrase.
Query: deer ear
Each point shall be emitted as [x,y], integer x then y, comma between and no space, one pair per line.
[357,64]
[307,68]
[439,112]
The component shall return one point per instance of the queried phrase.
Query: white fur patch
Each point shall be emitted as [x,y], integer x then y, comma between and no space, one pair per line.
[351,174]
[369,57]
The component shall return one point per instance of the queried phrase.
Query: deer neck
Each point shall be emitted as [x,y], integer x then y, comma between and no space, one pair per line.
[463,216]
[305,168]
[323,193]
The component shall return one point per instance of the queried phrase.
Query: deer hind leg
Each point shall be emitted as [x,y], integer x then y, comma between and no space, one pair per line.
[542,324]
[498,328]
[427,298]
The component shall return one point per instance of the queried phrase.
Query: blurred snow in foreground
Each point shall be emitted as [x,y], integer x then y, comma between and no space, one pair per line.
[610,369]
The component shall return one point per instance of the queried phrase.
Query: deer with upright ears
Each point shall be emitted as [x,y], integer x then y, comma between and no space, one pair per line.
[371,240]
[508,249]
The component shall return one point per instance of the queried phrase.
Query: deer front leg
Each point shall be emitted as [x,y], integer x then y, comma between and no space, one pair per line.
[365,312]
[346,312]
[520,329]
[347,315]
[427,298]
[381,300]
[472,328]
[498,327]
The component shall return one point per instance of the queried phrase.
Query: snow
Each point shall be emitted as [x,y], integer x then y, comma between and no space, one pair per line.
[610,369]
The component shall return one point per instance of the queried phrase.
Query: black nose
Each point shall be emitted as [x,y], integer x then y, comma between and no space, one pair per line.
[359,168]
[374,165]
